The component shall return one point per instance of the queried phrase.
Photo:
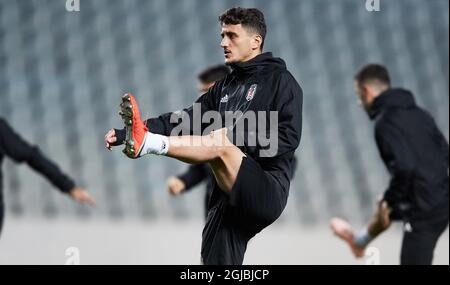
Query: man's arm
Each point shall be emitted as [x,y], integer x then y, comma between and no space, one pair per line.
[442,141]
[162,125]
[195,174]
[438,136]
[288,103]
[289,106]
[399,160]
[22,152]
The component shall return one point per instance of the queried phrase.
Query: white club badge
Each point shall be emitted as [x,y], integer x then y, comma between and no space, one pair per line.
[251,92]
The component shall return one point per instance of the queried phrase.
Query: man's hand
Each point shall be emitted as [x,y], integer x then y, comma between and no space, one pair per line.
[82,196]
[383,214]
[175,186]
[110,138]
[381,219]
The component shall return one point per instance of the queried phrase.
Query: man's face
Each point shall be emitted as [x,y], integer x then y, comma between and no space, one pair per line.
[364,98]
[238,44]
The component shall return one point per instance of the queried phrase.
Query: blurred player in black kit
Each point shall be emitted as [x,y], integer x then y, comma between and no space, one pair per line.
[14,147]
[416,154]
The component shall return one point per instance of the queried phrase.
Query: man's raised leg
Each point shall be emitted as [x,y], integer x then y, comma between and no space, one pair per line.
[215,149]
[223,157]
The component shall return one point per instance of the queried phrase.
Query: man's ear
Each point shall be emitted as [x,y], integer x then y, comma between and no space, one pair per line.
[257,41]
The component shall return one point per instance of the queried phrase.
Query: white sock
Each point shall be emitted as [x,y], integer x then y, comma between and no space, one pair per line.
[363,238]
[155,144]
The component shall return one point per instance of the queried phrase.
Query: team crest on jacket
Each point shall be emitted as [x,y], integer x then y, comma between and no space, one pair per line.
[251,92]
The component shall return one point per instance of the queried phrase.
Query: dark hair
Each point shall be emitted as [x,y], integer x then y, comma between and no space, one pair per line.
[373,72]
[250,18]
[214,73]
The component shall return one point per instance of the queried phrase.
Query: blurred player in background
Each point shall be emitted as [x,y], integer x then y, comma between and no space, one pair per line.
[200,172]
[14,147]
[416,154]
[251,186]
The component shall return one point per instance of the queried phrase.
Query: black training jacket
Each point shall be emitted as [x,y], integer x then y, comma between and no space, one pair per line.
[13,146]
[261,84]
[415,153]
